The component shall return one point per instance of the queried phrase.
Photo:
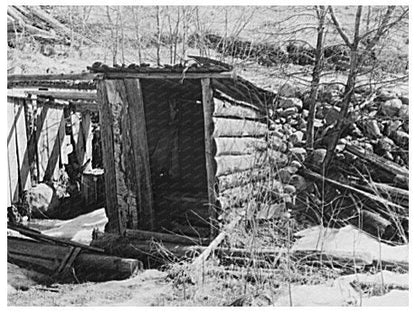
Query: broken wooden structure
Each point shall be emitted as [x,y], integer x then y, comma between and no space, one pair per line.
[173,139]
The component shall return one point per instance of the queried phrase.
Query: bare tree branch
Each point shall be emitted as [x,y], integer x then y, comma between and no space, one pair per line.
[338,27]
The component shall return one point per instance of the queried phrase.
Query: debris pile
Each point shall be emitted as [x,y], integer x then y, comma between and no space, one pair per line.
[367,183]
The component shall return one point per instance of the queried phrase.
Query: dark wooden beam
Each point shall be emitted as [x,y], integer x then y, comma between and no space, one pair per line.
[208,107]
[65,95]
[112,209]
[167,75]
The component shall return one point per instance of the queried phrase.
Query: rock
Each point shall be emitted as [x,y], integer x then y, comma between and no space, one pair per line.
[298,182]
[391,126]
[296,164]
[279,158]
[384,94]
[372,129]
[401,138]
[289,90]
[289,189]
[332,115]
[405,99]
[289,111]
[291,102]
[404,112]
[41,200]
[284,175]
[384,145]
[298,153]
[318,156]
[296,137]
[391,107]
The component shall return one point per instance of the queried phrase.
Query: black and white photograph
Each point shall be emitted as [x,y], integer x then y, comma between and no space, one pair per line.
[207,154]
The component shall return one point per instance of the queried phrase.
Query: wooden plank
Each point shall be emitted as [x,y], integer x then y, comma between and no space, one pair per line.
[129,199]
[168,75]
[227,127]
[65,95]
[376,198]
[114,224]
[239,146]
[140,152]
[82,76]
[164,237]
[86,125]
[22,146]
[208,107]
[198,265]
[227,107]
[379,161]
[51,140]
[236,163]
[77,137]
[12,160]
[242,178]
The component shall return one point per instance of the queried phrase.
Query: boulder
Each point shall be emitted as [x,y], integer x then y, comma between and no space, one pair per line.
[298,182]
[401,138]
[290,103]
[332,115]
[391,107]
[372,130]
[289,189]
[384,94]
[298,153]
[289,111]
[318,156]
[404,112]
[289,90]
[296,137]
[41,200]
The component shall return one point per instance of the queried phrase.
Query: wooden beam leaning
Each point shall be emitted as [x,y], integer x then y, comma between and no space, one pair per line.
[115,224]
[208,107]
[138,134]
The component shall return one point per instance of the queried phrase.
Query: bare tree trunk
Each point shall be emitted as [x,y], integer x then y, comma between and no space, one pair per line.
[176,36]
[138,35]
[121,25]
[350,86]
[113,37]
[158,35]
[316,76]
[184,29]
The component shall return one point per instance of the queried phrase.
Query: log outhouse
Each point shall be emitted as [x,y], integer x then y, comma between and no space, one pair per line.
[173,141]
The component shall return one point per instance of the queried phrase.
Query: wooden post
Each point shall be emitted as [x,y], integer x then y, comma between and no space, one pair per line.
[208,107]
[112,208]
[13,166]
[138,134]
[22,146]
[88,136]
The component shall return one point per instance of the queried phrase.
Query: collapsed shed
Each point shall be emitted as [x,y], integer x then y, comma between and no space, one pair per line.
[172,140]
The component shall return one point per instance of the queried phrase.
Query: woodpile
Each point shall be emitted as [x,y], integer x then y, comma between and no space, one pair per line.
[34,21]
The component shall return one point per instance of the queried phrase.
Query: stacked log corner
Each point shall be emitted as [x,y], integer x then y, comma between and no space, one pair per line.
[125,155]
